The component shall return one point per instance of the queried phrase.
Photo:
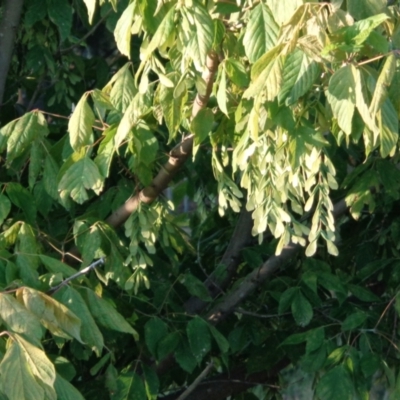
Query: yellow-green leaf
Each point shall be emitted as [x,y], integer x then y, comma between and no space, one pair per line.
[261,32]
[19,320]
[80,124]
[17,380]
[53,315]
[341,96]
[90,333]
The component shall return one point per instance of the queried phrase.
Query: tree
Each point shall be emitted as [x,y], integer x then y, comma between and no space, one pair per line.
[199,198]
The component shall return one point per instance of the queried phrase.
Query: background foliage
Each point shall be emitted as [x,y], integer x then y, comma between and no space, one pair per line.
[225,176]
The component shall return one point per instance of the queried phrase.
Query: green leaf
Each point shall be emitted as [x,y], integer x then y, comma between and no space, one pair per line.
[5,207]
[130,387]
[136,109]
[16,378]
[81,176]
[196,287]
[38,363]
[185,357]
[299,74]
[296,338]
[122,32]
[236,72]
[80,125]
[167,345]
[123,90]
[172,105]
[261,32]
[202,34]
[50,173]
[36,11]
[151,381]
[286,299]
[199,338]
[53,315]
[28,128]
[105,314]
[301,309]
[154,330]
[362,293]
[91,7]
[388,129]
[335,385]
[341,96]
[221,93]
[383,83]
[56,266]
[164,30]
[315,339]
[266,75]
[90,333]
[35,162]
[282,10]
[353,321]
[365,9]
[19,320]
[222,342]
[65,391]
[201,125]
[60,13]
[23,200]
[105,152]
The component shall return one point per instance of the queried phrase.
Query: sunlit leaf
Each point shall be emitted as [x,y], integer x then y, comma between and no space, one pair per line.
[341,96]
[261,32]
[52,314]
[16,377]
[80,124]
[80,177]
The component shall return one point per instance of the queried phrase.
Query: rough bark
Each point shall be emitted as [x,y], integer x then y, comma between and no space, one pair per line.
[8,29]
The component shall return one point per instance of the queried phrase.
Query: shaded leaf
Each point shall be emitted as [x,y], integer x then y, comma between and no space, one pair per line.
[105,314]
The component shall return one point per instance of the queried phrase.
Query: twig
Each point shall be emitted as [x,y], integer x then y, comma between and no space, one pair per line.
[196,382]
[82,272]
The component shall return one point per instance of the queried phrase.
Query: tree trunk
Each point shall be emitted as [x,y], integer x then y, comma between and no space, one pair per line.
[8,29]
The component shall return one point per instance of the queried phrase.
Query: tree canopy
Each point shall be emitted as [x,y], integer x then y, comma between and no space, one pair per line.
[199,199]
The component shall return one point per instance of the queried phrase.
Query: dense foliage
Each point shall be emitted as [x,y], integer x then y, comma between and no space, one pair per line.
[199,198]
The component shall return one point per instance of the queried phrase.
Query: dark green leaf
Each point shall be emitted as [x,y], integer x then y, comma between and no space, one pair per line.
[199,338]
[335,385]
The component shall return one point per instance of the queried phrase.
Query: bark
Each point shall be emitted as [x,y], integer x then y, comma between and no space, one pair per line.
[260,275]
[177,157]
[8,29]
[231,259]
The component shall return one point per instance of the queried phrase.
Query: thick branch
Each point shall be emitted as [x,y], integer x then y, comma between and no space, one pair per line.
[177,157]
[8,29]
[230,259]
[260,275]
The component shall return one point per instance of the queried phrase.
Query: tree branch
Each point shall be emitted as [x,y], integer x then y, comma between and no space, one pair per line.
[8,29]
[196,382]
[260,275]
[177,157]
[230,259]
